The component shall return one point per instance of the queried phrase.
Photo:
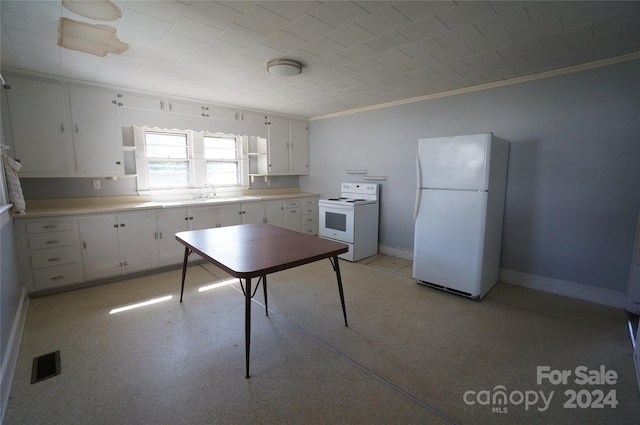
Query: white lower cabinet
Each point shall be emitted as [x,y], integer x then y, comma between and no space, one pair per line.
[58,252]
[118,244]
[274,213]
[309,217]
[174,220]
[48,253]
[252,212]
[292,214]
[170,222]
[206,218]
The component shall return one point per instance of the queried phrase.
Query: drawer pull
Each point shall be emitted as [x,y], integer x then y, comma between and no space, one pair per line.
[50,226]
[54,259]
[57,277]
[52,241]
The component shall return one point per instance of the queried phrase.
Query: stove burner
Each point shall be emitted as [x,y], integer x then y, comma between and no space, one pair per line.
[356,200]
[336,199]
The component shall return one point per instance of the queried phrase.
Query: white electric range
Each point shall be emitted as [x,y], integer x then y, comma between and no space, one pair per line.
[352,218]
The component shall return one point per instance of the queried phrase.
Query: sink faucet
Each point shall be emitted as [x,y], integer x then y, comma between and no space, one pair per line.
[211,194]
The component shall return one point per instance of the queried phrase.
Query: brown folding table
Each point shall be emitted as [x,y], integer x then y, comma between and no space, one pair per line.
[248,251]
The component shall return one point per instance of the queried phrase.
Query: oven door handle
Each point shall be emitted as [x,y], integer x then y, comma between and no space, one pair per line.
[336,207]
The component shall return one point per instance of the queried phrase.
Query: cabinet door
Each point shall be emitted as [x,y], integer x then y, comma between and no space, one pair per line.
[278,151]
[100,253]
[95,132]
[140,102]
[137,241]
[299,144]
[273,212]
[171,222]
[41,138]
[228,215]
[292,217]
[252,117]
[220,113]
[202,218]
[253,123]
[181,108]
[253,212]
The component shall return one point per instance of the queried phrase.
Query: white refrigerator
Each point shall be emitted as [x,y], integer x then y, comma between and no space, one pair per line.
[458,212]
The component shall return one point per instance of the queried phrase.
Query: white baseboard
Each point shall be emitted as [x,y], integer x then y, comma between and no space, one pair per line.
[394,251]
[540,283]
[10,357]
[566,288]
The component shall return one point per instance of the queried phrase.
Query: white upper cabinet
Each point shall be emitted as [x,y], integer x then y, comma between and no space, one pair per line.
[184,108]
[95,137]
[60,129]
[41,134]
[278,146]
[51,140]
[284,152]
[299,146]
[140,102]
[220,113]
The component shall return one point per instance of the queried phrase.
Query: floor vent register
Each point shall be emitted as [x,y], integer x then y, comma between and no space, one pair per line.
[45,366]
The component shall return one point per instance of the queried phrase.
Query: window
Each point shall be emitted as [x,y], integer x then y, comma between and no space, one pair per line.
[167,160]
[183,161]
[221,155]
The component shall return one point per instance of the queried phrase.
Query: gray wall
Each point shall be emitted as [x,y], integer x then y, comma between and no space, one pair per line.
[574,167]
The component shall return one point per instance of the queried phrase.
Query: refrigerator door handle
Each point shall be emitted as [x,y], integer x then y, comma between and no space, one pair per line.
[418,189]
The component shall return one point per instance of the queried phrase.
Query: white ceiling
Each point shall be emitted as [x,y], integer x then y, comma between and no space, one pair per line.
[356,54]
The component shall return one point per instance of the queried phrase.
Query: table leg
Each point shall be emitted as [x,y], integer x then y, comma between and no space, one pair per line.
[187,252]
[336,267]
[247,322]
[264,289]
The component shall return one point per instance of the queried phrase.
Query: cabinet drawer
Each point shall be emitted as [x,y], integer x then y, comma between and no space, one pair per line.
[52,241]
[309,201]
[292,203]
[309,230]
[52,259]
[309,210]
[57,277]
[309,219]
[49,226]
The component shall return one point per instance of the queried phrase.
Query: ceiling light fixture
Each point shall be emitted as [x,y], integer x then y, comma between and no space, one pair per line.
[284,67]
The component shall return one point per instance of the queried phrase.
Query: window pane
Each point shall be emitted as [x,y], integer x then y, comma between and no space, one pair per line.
[222,173]
[168,174]
[220,148]
[165,145]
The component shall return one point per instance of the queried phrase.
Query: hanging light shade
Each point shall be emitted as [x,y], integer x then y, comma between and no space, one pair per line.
[284,67]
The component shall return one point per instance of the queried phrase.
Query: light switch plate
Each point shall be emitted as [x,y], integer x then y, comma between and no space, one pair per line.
[96,184]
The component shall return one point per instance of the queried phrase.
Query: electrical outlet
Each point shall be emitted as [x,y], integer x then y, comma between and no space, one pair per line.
[96,184]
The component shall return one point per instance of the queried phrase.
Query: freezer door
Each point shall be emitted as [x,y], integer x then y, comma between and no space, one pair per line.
[449,235]
[459,162]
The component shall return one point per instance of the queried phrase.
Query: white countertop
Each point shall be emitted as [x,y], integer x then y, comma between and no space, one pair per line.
[73,206]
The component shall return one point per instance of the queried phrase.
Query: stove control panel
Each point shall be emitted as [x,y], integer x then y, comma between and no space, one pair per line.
[362,188]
